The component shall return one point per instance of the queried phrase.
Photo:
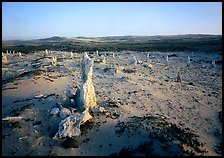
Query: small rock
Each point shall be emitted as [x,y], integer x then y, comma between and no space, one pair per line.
[150,65]
[54,111]
[38,96]
[107,113]
[98,110]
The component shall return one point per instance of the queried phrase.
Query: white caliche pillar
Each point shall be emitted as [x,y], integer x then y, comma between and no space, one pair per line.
[188,61]
[46,52]
[71,56]
[167,59]
[213,63]
[87,92]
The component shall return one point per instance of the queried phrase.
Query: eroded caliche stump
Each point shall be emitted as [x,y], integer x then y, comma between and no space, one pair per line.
[179,76]
[188,61]
[103,59]
[71,56]
[4,58]
[133,61]
[85,100]
[54,61]
[20,54]
[85,96]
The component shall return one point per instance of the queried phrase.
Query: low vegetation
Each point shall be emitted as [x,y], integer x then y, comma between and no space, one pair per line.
[204,43]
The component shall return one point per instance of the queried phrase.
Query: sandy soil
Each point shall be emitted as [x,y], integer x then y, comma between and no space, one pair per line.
[147,112]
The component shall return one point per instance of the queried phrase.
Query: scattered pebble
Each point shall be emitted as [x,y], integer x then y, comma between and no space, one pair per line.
[38,96]
[54,111]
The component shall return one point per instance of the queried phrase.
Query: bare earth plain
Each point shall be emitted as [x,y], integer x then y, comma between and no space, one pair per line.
[146,111]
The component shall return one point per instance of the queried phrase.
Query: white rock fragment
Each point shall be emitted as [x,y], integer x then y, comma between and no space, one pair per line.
[97,53]
[113,55]
[139,61]
[12,118]
[150,65]
[23,137]
[98,110]
[38,96]
[54,111]
[70,126]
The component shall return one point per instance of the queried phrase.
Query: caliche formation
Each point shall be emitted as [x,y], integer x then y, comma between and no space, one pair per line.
[85,100]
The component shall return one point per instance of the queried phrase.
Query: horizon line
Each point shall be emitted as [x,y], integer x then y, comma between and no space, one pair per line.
[110,36]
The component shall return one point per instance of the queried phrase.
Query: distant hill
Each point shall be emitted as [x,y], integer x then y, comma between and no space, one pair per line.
[188,42]
[54,38]
[161,37]
[123,38]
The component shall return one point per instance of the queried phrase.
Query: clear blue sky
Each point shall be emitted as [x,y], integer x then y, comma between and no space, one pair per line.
[30,20]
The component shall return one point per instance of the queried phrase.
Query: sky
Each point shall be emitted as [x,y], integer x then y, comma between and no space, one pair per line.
[33,20]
